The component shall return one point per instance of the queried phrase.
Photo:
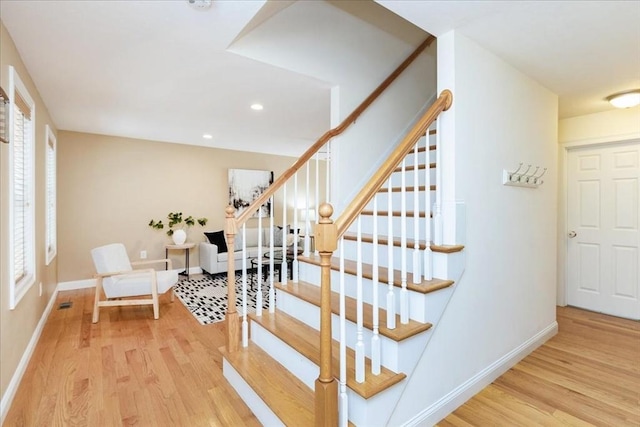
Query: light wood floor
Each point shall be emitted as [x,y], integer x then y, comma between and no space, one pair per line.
[131,370]
[588,374]
[128,369]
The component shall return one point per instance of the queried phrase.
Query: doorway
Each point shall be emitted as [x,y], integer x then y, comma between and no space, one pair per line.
[603,220]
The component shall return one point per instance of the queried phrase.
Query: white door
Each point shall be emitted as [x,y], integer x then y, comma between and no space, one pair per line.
[603,268]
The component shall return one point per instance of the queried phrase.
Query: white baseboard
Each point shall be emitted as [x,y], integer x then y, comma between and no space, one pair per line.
[451,401]
[76,284]
[12,388]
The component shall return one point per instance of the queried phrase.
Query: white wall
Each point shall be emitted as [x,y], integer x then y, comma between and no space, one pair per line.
[614,125]
[506,297]
[358,152]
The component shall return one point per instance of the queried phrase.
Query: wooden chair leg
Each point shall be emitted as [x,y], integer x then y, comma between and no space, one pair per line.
[96,303]
[154,296]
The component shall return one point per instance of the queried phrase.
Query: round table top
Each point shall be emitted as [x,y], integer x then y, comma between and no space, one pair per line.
[182,246]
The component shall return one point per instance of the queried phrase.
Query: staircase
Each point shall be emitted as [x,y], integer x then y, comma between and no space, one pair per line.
[385,277]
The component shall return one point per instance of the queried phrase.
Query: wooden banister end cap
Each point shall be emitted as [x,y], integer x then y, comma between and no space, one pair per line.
[448,98]
[325,211]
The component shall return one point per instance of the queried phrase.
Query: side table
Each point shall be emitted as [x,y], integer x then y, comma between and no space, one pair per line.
[186,247]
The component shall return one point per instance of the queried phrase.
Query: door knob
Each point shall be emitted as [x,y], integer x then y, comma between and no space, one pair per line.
[572,234]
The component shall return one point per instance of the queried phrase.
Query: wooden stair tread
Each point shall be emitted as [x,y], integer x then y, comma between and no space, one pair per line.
[425,286]
[395,213]
[410,168]
[288,397]
[382,240]
[408,189]
[306,341]
[311,294]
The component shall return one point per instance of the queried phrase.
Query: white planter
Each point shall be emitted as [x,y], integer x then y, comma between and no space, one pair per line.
[179,236]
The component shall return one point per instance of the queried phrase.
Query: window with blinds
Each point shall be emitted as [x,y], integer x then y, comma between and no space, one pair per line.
[22,196]
[4,116]
[50,215]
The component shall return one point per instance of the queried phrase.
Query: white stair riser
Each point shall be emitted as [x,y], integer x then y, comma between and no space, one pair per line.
[304,369]
[396,356]
[444,265]
[410,159]
[351,247]
[366,225]
[396,178]
[379,409]
[396,201]
[417,301]
[259,408]
[361,411]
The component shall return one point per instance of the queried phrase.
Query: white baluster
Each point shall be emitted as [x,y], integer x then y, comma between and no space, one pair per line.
[391,296]
[316,217]
[328,174]
[294,265]
[259,266]
[272,255]
[428,256]
[284,274]
[404,294]
[375,338]
[245,325]
[417,259]
[307,238]
[359,350]
[343,402]
[437,219]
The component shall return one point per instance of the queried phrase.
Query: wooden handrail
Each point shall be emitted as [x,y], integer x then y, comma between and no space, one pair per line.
[380,177]
[351,118]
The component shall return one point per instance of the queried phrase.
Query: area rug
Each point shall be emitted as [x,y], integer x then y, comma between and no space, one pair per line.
[206,296]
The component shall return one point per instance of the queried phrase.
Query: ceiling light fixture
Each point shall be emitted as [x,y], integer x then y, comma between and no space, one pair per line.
[200,4]
[257,107]
[627,99]
[207,136]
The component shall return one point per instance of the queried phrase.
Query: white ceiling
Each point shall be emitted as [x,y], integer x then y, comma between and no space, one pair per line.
[161,70]
[583,51]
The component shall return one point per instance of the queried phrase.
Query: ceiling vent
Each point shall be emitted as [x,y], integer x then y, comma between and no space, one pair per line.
[200,4]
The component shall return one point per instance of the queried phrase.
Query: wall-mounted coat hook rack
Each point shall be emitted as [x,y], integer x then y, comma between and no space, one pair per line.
[524,178]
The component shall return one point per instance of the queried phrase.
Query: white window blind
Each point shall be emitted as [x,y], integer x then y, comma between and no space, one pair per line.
[22,197]
[50,215]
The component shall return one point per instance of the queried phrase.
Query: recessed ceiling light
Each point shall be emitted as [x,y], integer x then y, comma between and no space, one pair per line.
[257,107]
[200,4]
[626,99]
[207,136]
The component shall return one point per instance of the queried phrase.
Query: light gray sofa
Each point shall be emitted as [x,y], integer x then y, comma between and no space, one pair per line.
[213,261]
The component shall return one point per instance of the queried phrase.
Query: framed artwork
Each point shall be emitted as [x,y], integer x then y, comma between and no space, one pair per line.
[245,186]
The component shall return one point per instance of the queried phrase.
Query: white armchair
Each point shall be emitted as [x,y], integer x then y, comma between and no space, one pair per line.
[117,278]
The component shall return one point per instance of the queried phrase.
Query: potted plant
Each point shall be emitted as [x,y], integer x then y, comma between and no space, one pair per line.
[176,221]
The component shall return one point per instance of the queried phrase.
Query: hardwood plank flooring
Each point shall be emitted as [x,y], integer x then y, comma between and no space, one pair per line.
[587,375]
[128,369]
[131,370]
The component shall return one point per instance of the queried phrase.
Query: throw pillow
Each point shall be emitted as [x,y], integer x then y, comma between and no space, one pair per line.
[237,242]
[278,234]
[217,238]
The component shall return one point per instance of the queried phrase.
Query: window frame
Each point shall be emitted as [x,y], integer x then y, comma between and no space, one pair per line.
[51,195]
[18,289]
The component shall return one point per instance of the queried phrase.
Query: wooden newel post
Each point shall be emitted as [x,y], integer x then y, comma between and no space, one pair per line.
[230,230]
[326,386]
